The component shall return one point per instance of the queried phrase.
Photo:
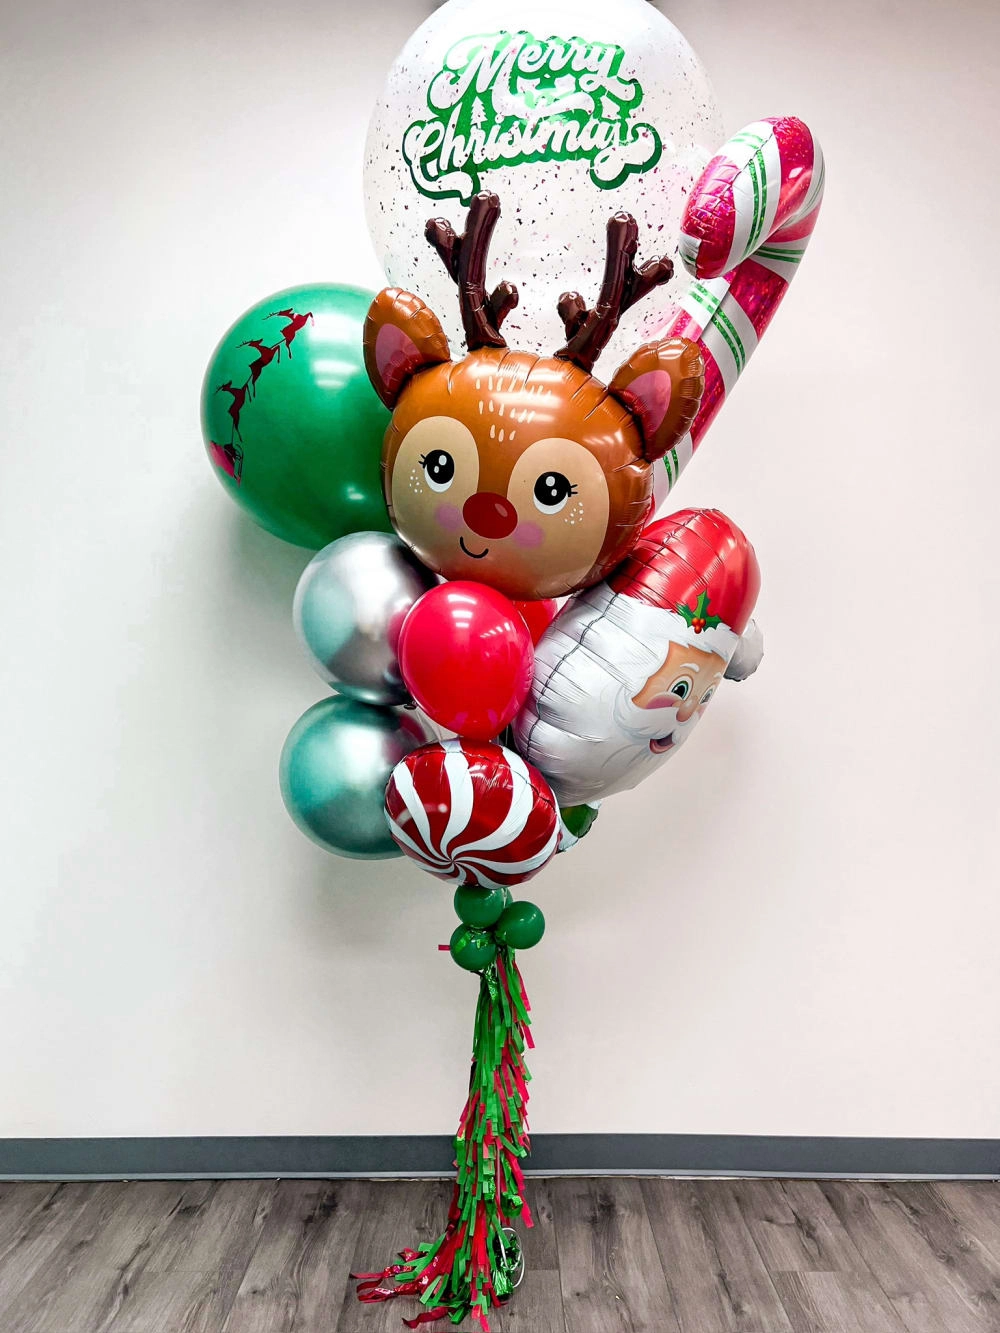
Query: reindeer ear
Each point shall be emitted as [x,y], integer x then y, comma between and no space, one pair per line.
[402,335]
[661,384]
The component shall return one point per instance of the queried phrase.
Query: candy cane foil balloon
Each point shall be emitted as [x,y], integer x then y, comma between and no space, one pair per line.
[744,232]
[472,813]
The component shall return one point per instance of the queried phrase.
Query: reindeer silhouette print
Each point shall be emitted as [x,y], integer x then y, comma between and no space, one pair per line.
[239,396]
[295,323]
[524,472]
[229,457]
[264,358]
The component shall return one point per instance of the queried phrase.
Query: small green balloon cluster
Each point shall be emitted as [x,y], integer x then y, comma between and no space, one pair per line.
[488,919]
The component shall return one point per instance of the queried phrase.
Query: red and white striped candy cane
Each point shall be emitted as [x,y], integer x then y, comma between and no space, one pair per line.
[744,231]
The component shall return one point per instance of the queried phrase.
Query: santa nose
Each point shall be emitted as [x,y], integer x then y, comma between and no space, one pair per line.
[489,515]
[687,709]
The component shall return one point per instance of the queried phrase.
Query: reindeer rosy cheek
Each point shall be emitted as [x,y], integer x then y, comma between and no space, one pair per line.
[563,505]
[435,472]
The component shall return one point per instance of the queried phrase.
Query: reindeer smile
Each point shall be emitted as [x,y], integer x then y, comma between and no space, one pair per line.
[492,447]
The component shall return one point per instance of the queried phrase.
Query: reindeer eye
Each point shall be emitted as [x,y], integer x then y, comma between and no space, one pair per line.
[439,469]
[552,490]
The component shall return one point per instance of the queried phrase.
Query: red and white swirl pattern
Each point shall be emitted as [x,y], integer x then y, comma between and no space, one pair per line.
[472,813]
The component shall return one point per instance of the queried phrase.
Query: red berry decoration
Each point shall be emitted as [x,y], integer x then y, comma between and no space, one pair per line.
[466,657]
[472,813]
[697,617]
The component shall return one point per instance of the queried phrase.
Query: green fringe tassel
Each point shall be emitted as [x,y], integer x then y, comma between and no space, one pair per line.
[474,1263]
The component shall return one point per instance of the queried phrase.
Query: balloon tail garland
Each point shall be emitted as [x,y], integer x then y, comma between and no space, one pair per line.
[474,1263]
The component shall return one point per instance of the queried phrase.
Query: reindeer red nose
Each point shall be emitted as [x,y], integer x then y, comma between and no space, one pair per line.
[489,515]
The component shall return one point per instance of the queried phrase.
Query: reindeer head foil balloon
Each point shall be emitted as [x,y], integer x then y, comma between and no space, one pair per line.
[524,472]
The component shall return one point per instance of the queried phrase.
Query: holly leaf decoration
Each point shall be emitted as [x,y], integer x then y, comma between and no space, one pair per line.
[698,618]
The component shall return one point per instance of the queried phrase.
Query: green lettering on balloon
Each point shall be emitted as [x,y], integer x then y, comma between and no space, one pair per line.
[503,99]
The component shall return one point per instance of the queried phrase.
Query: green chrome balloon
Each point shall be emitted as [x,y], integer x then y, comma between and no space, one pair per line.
[334,771]
[291,422]
[480,907]
[472,949]
[521,926]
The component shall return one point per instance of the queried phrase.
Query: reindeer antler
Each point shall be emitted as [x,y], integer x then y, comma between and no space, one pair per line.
[465,259]
[588,331]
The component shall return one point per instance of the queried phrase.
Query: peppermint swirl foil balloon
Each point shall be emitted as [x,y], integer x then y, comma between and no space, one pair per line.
[472,813]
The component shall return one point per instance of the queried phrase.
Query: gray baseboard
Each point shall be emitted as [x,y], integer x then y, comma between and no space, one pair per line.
[552,1154]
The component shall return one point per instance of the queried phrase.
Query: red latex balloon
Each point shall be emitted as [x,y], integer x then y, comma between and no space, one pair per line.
[538,616]
[466,657]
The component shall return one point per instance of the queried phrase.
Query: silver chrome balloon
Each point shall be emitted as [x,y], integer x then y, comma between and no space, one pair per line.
[350,604]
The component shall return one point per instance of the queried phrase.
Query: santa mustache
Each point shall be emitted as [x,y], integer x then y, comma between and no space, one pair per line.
[650,724]
[614,747]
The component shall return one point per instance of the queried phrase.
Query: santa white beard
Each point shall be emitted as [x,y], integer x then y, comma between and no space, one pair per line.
[580,726]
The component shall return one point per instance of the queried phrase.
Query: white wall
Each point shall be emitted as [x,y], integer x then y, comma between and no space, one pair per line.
[794,929]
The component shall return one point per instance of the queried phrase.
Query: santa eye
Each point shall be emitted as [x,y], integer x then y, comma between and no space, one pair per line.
[552,490]
[707,695]
[682,687]
[439,469]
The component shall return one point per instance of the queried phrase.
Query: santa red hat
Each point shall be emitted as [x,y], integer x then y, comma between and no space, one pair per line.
[699,567]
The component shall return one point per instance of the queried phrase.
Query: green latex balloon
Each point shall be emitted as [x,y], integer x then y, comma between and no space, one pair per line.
[480,907]
[521,926]
[472,949]
[575,822]
[334,769]
[579,819]
[291,424]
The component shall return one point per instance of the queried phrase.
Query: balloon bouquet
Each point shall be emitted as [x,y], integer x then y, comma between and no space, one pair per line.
[476,726]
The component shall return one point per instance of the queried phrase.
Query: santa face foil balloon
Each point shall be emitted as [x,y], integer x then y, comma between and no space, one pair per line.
[523,472]
[625,672]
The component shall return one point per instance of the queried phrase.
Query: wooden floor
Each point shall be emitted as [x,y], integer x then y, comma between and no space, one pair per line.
[668,1256]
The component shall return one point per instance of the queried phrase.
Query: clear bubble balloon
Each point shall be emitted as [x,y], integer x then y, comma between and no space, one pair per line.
[570,110]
